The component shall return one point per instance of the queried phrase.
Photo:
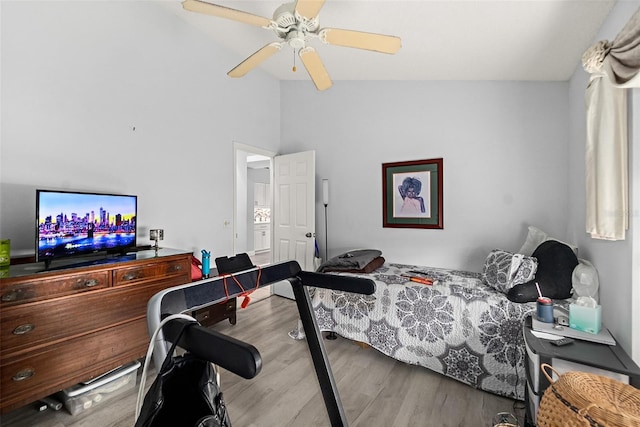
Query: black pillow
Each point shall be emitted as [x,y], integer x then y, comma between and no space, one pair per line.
[556,262]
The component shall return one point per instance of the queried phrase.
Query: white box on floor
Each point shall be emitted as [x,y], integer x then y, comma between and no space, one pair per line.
[81,397]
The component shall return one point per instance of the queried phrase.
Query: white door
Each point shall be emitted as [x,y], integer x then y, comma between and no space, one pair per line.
[293,217]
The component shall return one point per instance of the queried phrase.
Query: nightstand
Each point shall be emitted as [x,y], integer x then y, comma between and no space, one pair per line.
[583,356]
[215,313]
[212,314]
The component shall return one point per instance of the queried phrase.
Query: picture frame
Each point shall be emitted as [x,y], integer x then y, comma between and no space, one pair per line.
[412,194]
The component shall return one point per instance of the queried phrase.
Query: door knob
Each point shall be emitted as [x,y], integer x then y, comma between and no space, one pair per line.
[309,235]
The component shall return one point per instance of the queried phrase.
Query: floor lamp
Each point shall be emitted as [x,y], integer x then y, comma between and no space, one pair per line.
[298,333]
[325,201]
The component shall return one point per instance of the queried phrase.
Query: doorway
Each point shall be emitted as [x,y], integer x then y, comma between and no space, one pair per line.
[252,206]
[262,215]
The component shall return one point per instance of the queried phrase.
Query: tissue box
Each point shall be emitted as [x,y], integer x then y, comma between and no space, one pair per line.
[585,319]
[5,252]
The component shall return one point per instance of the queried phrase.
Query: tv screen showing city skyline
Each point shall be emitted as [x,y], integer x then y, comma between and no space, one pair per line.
[71,223]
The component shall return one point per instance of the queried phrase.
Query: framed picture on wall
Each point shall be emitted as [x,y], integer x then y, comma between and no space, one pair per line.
[412,194]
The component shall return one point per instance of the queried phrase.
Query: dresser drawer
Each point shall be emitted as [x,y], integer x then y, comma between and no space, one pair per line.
[26,326]
[215,313]
[135,274]
[26,290]
[55,367]
[178,269]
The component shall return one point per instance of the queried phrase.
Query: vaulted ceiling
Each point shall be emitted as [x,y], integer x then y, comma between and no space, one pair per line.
[539,40]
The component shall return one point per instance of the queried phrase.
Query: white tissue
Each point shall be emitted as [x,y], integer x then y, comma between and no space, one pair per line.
[586,302]
[585,280]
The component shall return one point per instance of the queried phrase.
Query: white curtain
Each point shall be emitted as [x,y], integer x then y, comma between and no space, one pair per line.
[614,67]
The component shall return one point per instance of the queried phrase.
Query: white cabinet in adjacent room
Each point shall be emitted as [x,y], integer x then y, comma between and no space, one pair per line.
[261,195]
[261,237]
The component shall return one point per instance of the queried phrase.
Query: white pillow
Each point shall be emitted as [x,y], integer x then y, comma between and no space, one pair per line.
[536,237]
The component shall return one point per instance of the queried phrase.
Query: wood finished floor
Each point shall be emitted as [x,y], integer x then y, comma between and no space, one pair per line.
[375,390]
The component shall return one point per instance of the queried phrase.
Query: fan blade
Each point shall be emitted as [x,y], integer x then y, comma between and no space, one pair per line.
[309,8]
[225,12]
[315,68]
[361,40]
[254,60]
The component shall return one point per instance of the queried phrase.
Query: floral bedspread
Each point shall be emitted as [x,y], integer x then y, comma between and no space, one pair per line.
[458,326]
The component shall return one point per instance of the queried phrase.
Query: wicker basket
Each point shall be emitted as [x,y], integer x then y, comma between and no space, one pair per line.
[583,399]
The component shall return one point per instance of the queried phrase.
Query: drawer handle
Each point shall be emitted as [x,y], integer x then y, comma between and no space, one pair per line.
[23,329]
[91,283]
[177,267]
[130,276]
[25,374]
[11,296]
[202,316]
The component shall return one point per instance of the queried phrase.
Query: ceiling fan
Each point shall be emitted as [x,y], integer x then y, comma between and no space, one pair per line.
[296,24]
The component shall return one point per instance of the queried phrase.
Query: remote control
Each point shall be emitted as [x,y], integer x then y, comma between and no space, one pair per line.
[562,341]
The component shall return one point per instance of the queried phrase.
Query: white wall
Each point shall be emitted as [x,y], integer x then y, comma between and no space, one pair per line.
[242,230]
[78,77]
[618,268]
[505,161]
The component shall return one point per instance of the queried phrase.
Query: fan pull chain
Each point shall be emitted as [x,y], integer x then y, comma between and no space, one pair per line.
[294,69]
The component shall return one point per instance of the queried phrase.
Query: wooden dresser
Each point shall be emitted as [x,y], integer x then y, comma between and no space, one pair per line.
[68,325]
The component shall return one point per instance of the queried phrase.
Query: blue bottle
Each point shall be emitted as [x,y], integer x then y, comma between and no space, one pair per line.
[206,263]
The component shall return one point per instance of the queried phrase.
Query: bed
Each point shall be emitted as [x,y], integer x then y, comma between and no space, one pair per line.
[458,326]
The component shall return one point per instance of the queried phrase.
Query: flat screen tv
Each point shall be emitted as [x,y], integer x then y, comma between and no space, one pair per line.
[77,223]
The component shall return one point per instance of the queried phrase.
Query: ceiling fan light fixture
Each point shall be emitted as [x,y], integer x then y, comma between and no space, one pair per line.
[296,39]
[295,24]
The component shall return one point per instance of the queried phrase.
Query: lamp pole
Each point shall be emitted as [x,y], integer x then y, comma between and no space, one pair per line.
[325,201]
